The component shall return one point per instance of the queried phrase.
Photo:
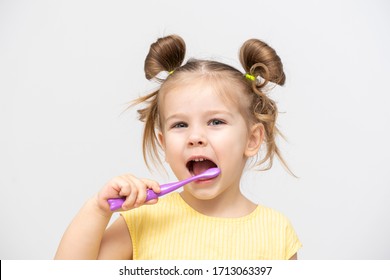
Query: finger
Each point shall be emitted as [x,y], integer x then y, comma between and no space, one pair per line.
[152,201]
[125,184]
[153,185]
[130,199]
[143,185]
[137,194]
[115,188]
[125,188]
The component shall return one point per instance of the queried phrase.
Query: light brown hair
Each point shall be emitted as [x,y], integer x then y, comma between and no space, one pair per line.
[258,59]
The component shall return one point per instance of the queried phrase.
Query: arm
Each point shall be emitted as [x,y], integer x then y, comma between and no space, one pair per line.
[87,236]
[82,238]
[116,242]
[294,257]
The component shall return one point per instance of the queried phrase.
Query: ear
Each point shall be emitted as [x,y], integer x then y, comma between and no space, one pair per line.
[161,140]
[255,139]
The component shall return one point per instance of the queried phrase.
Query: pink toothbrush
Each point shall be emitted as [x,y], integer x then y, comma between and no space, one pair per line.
[116,203]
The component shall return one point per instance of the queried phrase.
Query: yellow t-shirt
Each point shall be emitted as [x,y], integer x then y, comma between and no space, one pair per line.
[171,229]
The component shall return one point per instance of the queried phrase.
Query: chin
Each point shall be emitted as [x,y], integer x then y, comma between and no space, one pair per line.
[202,192]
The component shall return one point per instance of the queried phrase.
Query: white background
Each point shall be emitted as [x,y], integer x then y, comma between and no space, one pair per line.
[68,68]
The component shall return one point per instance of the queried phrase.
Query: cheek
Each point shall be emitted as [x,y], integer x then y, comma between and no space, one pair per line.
[172,145]
[230,143]
[236,143]
[234,148]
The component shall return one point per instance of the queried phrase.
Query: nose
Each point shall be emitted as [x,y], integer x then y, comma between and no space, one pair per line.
[197,139]
[196,143]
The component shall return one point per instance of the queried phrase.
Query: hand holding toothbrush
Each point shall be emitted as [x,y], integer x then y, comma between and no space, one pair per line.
[152,195]
[132,191]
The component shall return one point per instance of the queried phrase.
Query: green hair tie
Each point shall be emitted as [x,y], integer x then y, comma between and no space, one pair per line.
[250,77]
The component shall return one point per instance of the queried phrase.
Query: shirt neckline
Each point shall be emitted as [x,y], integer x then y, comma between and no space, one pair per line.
[188,208]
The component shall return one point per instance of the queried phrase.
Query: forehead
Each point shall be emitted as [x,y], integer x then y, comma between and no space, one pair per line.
[199,93]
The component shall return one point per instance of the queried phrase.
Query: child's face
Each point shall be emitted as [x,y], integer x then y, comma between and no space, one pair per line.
[202,130]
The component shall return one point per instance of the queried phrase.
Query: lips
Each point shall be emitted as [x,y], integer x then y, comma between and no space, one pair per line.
[197,165]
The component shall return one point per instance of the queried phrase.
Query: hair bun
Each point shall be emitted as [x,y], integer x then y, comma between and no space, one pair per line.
[166,54]
[259,59]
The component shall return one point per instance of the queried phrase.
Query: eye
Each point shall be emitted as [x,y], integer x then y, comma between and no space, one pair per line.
[216,122]
[179,125]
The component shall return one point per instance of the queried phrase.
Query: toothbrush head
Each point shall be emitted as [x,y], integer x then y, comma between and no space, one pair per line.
[208,174]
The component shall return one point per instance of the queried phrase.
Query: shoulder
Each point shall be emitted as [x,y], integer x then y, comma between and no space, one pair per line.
[277,229]
[271,215]
[274,221]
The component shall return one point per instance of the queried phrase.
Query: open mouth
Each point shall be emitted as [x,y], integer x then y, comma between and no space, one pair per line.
[199,165]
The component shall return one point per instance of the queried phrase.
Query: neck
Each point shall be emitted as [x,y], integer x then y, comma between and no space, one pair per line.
[230,204]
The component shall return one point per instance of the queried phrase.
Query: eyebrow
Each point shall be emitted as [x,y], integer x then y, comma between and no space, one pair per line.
[207,113]
[216,112]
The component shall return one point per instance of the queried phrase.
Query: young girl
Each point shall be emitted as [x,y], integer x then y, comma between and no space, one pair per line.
[205,114]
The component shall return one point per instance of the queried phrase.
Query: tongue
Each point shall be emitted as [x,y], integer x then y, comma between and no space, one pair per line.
[202,166]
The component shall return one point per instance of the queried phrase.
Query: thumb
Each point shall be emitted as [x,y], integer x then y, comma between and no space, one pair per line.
[152,201]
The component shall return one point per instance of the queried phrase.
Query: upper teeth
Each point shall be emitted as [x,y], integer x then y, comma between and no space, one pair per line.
[199,159]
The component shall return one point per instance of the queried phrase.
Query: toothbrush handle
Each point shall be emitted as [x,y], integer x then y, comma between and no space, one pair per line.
[116,203]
